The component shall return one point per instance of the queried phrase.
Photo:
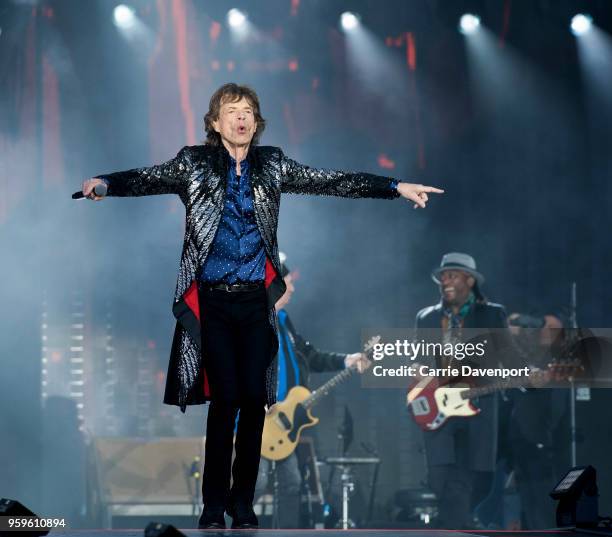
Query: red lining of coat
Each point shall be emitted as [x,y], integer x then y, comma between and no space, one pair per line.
[270,273]
[191,298]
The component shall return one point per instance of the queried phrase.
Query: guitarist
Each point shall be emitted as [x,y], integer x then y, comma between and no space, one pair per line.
[538,435]
[296,359]
[461,455]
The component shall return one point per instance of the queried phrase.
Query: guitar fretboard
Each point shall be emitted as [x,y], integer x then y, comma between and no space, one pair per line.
[323,390]
[495,387]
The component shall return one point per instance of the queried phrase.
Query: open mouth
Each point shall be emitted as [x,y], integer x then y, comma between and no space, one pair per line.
[242,129]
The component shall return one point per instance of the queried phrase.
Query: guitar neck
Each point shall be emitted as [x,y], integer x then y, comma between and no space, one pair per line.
[323,390]
[491,388]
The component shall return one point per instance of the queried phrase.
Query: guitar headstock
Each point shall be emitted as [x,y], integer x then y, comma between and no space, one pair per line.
[368,347]
[565,369]
[538,378]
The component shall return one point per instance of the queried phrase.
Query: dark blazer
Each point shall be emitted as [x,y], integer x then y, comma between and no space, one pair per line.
[469,442]
[483,316]
[198,175]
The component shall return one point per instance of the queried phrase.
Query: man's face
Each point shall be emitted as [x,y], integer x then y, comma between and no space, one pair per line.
[286,298]
[236,123]
[455,287]
[551,331]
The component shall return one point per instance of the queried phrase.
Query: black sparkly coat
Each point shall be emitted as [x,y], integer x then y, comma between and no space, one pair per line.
[198,175]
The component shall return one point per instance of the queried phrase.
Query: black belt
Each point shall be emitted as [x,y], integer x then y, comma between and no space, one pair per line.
[234,287]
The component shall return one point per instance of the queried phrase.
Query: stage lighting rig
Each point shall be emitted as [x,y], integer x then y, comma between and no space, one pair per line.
[123,16]
[349,21]
[581,23]
[469,23]
[236,18]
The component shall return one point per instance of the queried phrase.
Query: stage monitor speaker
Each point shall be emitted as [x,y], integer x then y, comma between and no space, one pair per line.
[156,529]
[577,494]
[14,509]
[146,477]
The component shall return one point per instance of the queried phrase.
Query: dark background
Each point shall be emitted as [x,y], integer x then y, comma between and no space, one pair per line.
[513,122]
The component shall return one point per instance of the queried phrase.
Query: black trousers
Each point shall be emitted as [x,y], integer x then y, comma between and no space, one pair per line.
[236,343]
[457,485]
[459,490]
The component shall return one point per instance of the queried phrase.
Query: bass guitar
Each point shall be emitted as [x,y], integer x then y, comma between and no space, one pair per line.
[432,402]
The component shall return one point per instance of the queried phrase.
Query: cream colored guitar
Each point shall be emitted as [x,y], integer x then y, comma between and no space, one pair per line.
[286,419]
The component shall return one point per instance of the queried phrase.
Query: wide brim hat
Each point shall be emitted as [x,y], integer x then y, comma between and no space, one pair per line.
[458,261]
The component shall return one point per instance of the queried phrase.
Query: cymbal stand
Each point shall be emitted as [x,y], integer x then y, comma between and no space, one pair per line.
[348,485]
[273,476]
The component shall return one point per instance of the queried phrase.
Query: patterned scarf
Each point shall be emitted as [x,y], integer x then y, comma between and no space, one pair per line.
[454,322]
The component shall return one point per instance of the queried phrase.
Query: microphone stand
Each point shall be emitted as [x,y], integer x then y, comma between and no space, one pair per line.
[573,326]
[273,475]
[373,452]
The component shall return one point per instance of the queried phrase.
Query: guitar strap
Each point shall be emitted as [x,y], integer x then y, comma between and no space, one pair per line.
[452,325]
[288,370]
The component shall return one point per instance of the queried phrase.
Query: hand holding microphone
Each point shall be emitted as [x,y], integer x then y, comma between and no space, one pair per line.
[93,189]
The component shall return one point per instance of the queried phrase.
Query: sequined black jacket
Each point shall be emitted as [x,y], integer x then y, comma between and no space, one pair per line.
[198,175]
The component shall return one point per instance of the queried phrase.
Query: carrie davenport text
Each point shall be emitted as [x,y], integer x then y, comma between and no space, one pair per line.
[463,371]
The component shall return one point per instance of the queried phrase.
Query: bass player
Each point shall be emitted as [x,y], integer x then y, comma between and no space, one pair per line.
[461,455]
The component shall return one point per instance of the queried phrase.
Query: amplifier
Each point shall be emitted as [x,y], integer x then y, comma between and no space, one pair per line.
[145,477]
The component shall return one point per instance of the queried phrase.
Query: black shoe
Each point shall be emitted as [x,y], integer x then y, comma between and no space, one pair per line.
[211,519]
[243,516]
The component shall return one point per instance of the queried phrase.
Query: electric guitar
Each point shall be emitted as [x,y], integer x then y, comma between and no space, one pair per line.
[286,419]
[433,402]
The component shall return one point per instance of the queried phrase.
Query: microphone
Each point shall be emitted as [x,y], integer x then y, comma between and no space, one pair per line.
[527,321]
[99,190]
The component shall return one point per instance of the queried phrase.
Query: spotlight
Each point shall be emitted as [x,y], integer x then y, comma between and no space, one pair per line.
[581,24]
[124,16]
[469,23]
[236,18]
[349,21]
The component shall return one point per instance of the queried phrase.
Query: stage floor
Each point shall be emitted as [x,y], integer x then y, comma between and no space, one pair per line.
[317,533]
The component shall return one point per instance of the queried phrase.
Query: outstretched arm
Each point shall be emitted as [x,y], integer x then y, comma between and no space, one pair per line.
[301,179]
[167,178]
[417,193]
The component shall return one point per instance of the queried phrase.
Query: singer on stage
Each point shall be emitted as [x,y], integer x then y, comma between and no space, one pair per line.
[230,278]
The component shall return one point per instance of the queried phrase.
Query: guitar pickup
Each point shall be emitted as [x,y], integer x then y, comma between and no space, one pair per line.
[283,421]
[420,406]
